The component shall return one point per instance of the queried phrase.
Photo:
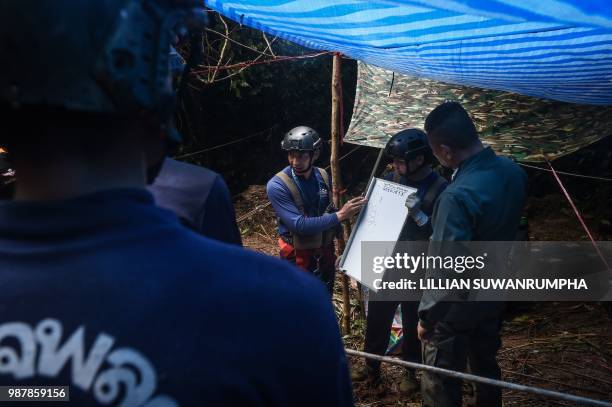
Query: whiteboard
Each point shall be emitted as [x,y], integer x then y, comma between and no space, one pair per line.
[382,219]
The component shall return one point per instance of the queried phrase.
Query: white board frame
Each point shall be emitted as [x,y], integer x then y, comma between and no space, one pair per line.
[352,252]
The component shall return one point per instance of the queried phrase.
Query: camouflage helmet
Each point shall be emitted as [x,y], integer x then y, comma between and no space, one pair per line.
[301,138]
[408,144]
[100,56]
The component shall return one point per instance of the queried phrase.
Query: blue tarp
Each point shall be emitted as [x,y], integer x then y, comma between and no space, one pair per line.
[557,49]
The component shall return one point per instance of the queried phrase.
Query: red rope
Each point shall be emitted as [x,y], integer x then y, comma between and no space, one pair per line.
[577,212]
[206,68]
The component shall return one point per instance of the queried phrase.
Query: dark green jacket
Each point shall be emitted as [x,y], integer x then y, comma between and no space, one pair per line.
[484,202]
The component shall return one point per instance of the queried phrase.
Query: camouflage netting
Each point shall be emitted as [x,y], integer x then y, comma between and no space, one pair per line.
[527,128]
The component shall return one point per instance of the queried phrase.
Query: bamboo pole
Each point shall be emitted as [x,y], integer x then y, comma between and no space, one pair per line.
[337,186]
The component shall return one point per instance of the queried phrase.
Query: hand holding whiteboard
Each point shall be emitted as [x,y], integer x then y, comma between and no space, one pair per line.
[382,219]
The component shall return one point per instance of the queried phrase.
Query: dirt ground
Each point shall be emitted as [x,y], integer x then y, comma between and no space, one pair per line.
[565,347]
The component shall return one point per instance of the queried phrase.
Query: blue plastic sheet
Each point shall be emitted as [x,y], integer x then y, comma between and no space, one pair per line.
[556,49]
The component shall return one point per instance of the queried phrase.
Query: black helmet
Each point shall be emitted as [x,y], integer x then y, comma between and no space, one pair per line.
[301,138]
[408,144]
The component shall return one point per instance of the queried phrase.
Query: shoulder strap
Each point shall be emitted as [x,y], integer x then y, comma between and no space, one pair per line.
[290,184]
[325,177]
[396,177]
[433,192]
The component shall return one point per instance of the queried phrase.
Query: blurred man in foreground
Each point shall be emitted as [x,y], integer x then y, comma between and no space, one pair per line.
[102,290]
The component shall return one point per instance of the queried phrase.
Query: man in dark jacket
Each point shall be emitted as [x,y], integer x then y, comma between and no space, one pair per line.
[199,197]
[483,203]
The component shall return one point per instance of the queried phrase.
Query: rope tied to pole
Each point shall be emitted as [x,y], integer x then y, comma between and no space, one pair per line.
[204,68]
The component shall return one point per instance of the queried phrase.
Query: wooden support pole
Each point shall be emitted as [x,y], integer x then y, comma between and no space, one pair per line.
[337,186]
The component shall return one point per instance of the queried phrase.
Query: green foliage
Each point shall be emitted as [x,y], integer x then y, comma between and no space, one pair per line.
[277,94]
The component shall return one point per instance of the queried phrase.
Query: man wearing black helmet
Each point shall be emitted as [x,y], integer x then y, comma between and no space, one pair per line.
[301,197]
[102,291]
[412,165]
